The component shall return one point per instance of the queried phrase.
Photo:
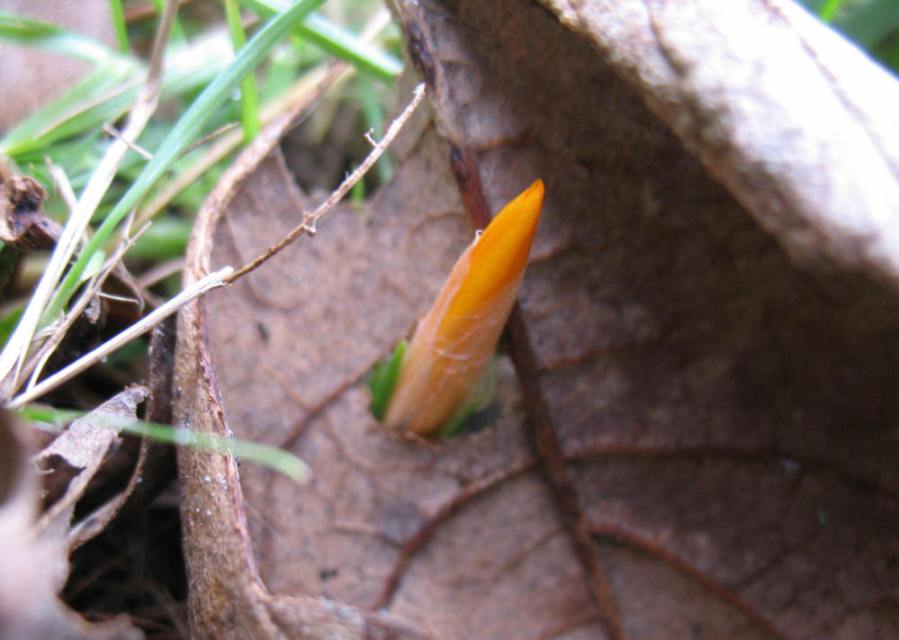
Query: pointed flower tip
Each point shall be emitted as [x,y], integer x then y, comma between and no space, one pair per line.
[531,207]
[458,335]
[523,211]
[500,255]
[536,190]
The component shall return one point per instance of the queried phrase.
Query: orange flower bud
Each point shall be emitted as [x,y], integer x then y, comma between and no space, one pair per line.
[458,335]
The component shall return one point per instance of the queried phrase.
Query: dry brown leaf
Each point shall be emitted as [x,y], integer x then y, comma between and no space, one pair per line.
[226,597]
[78,454]
[22,223]
[34,563]
[796,121]
[704,444]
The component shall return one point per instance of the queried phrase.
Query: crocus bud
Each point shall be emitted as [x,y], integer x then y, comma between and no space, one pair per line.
[458,335]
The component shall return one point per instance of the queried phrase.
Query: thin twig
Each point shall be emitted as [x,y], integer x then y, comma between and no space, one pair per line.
[307,226]
[19,344]
[212,281]
[111,131]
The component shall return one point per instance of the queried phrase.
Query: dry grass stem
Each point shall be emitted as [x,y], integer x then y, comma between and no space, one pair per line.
[57,332]
[61,181]
[212,281]
[381,20]
[16,351]
[19,358]
[307,226]
[136,148]
[124,299]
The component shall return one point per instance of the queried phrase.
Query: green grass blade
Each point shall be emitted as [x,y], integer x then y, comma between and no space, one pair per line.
[107,93]
[339,42]
[249,97]
[118,23]
[165,239]
[335,40]
[49,37]
[264,455]
[8,323]
[96,99]
[186,130]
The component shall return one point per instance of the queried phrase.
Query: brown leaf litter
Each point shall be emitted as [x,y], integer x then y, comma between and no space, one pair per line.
[22,223]
[702,442]
[37,546]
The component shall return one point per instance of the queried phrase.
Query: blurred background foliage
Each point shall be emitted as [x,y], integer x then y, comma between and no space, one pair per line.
[873,24]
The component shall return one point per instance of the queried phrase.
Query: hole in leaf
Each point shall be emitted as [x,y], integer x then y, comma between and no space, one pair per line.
[481,410]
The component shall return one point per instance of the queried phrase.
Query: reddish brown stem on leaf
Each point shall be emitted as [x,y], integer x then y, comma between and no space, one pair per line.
[720,591]
[418,541]
[465,170]
[543,437]
[541,430]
